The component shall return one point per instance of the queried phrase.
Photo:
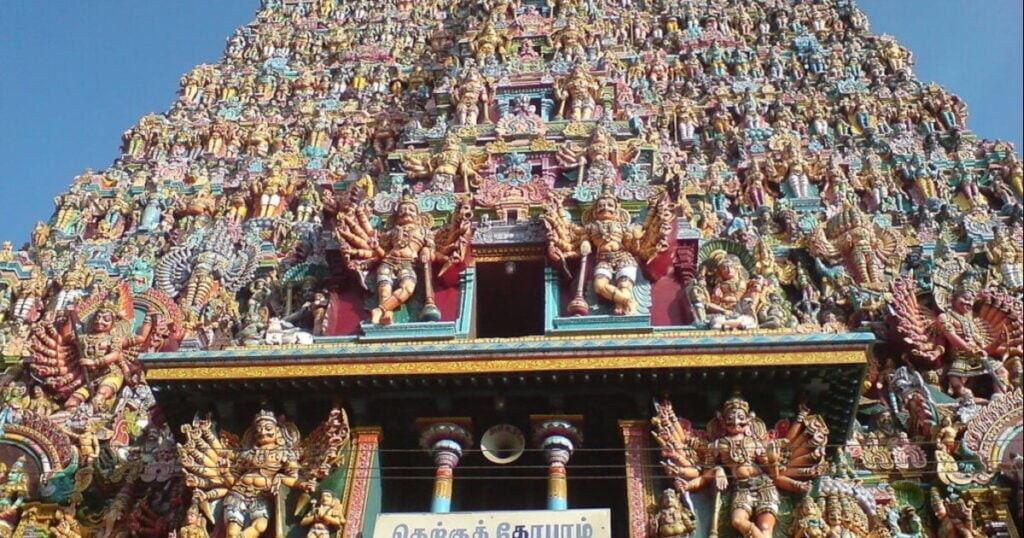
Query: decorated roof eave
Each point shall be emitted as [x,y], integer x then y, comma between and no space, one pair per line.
[534,354]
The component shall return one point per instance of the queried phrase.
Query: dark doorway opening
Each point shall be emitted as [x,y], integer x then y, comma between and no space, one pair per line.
[509,299]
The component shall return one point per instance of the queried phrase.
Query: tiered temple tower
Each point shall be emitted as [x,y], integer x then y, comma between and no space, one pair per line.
[584,268]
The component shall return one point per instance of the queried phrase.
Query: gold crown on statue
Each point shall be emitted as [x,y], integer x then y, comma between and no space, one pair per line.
[969,283]
[112,303]
[108,305]
[407,198]
[736,402]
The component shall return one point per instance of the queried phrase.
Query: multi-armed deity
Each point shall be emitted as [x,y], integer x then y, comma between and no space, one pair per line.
[619,248]
[213,265]
[972,335]
[867,248]
[408,242]
[247,475]
[738,453]
[92,353]
[443,168]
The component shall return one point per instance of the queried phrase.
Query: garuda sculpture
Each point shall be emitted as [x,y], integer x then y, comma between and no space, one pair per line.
[738,448]
[409,240]
[619,245]
[246,474]
[206,263]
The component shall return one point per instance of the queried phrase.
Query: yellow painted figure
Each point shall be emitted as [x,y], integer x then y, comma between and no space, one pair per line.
[408,242]
[248,475]
[618,246]
[325,516]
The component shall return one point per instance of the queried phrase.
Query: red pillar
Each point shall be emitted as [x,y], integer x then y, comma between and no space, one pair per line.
[364,464]
[636,435]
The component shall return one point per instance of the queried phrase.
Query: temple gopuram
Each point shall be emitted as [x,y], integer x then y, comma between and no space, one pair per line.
[527,269]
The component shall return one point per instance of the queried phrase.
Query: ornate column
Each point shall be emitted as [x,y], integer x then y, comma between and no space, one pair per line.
[363,470]
[445,439]
[636,435]
[558,436]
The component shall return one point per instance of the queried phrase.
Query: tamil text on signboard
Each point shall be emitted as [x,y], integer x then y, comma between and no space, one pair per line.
[531,524]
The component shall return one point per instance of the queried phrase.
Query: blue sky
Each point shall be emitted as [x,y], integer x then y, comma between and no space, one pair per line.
[74,75]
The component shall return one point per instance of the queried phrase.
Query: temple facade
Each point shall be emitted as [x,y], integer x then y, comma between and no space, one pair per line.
[527,269]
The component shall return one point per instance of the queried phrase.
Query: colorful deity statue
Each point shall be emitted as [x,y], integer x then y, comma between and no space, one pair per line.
[733,296]
[471,98]
[719,186]
[73,284]
[114,220]
[489,43]
[195,524]
[572,39]
[825,190]
[955,516]
[272,194]
[1006,258]
[1012,186]
[151,217]
[964,333]
[883,190]
[869,249]
[90,355]
[65,524]
[619,247]
[213,259]
[28,303]
[739,453]
[5,302]
[258,140]
[40,234]
[807,520]
[970,338]
[309,204]
[842,516]
[248,475]
[756,190]
[444,167]
[237,208]
[394,254]
[673,520]
[325,516]
[15,487]
[219,139]
[923,178]
[599,161]
[797,174]
[71,208]
[196,211]
[578,92]
[14,492]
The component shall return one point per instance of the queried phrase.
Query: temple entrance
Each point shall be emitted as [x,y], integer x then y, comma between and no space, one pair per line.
[510,299]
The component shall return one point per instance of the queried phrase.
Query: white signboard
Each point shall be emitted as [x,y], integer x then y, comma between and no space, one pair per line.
[532,524]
